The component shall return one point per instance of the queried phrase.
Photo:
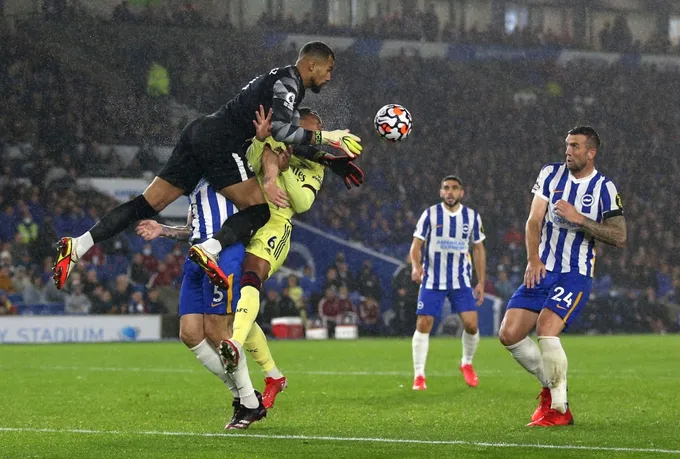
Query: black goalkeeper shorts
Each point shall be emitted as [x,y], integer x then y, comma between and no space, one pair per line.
[207,150]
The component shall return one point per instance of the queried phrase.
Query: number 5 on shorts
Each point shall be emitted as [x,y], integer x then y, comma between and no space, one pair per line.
[218,294]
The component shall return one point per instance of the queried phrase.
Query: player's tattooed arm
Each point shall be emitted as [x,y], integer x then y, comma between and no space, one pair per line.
[178,233]
[611,231]
[151,229]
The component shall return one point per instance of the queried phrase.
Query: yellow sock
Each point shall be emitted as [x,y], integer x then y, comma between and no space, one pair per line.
[246,312]
[258,349]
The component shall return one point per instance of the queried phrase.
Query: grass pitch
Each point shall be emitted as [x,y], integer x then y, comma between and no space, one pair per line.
[345,399]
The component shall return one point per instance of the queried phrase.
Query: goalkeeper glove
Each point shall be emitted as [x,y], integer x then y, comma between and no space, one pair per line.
[343,140]
[343,167]
[339,165]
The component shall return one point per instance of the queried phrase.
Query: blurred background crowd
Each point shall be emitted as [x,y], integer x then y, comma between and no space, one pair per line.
[65,101]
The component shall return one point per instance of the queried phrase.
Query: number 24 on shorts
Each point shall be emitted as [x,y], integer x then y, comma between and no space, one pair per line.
[560,297]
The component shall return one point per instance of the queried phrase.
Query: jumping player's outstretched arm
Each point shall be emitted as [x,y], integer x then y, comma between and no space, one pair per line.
[151,229]
[286,122]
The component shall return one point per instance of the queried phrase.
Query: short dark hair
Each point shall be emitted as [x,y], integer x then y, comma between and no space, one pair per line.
[306,111]
[452,177]
[591,135]
[317,49]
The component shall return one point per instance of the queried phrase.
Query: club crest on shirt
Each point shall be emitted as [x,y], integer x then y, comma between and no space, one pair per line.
[587,200]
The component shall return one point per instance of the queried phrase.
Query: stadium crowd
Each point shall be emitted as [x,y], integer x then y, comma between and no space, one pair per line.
[388,22]
[492,123]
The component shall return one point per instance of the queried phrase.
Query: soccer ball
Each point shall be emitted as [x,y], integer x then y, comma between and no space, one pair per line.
[393,122]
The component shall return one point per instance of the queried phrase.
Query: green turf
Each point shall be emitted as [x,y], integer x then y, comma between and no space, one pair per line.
[623,393]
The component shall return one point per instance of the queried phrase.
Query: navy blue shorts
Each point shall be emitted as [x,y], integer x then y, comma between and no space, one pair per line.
[565,294]
[431,302]
[198,296]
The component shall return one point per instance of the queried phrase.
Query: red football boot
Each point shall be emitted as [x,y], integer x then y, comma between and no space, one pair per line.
[208,263]
[553,418]
[469,375]
[272,387]
[65,261]
[545,400]
[419,383]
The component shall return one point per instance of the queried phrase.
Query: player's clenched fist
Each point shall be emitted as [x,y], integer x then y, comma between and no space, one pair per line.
[567,211]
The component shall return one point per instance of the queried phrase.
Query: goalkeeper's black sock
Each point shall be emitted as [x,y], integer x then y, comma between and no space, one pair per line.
[240,227]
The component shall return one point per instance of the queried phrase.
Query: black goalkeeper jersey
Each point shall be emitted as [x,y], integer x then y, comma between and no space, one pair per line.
[281,90]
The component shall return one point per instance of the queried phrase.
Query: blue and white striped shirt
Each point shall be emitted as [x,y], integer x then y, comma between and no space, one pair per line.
[209,209]
[447,237]
[565,247]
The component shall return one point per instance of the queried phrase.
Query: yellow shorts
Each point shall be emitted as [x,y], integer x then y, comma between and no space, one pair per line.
[272,242]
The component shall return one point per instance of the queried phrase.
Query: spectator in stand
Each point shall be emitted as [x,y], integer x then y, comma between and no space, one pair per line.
[405,294]
[369,313]
[269,309]
[6,279]
[27,229]
[77,302]
[329,309]
[332,279]
[173,267]
[154,305]
[8,224]
[121,293]
[102,302]
[503,286]
[162,277]
[6,306]
[20,279]
[136,303]
[138,272]
[368,282]
[149,260]
[344,275]
[295,292]
[273,306]
[34,292]
[288,307]
[347,308]
[91,282]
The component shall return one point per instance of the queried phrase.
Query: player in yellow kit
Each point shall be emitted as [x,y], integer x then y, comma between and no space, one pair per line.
[298,181]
